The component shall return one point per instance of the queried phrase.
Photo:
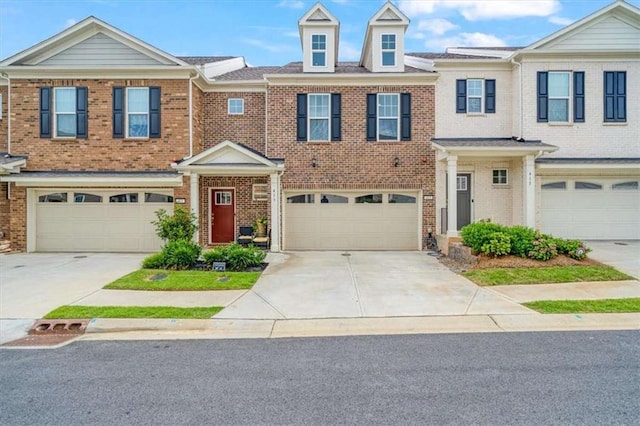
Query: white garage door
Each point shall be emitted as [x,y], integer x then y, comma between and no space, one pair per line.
[591,208]
[369,220]
[99,221]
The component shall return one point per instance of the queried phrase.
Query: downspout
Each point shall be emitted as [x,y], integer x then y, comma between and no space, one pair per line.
[6,77]
[191,79]
[266,115]
[520,101]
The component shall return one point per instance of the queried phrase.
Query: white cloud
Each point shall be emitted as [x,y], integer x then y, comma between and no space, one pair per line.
[348,51]
[464,40]
[269,47]
[436,26]
[70,22]
[292,4]
[479,10]
[293,34]
[416,36]
[558,20]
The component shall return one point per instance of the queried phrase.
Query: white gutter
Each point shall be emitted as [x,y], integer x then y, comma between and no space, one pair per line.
[191,79]
[521,103]
[6,77]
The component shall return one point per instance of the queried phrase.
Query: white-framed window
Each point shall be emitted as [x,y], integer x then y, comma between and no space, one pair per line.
[318,50]
[625,186]
[235,106]
[137,112]
[388,116]
[388,49]
[475,96]
[500,177]
[319,114]
[260,192]
[554,185]
[559,97]
[64,101]
[223,198]
[461,183]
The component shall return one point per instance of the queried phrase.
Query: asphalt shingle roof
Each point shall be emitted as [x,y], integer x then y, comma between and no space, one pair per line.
[247,73]
[201,60]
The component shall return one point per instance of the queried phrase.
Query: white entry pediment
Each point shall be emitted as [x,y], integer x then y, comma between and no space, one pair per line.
[228,156]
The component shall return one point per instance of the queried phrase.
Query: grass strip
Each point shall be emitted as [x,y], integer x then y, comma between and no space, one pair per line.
[184,280]
[585,306]
[550,275]
[78,311]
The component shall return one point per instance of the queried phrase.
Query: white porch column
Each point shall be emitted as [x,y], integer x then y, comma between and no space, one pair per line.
[275,212]
[195,203]
[529,192]
[452,196]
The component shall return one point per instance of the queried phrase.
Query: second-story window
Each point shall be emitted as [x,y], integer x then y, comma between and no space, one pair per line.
[388,116]
[559,95]
[475,96]
[65,112]
[138,112]
[318,117]
[235,106]
[388,50]
[318,50]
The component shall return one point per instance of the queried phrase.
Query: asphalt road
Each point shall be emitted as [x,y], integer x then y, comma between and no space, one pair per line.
[508,378]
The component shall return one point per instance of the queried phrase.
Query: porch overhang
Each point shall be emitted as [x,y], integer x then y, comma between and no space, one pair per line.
[94,179]
[11,163]
[574,164]
[489,147]
[230,159]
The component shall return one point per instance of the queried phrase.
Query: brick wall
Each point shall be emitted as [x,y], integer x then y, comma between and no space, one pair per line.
[247,129]
[198,120]
[18,217]
[247,210]
[100,151]
[353,162]
[5,118]
[5,214]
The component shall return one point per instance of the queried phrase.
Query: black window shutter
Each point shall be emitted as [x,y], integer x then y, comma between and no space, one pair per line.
[578,97]
[609,96]
[543,97]
[405,116]
[372,106]
[82,112]
[461,96]
[302,117]
[45,112]
[490,96]
[154,112]
[118,112]
[621,95]
[336,111]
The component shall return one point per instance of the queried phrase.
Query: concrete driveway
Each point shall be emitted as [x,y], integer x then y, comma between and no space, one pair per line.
[363,284]
[33,284]
[622,255]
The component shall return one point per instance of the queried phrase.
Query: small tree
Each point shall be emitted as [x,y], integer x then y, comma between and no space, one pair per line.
[181,225]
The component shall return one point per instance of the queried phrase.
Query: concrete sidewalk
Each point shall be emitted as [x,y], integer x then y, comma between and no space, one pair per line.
[569,291]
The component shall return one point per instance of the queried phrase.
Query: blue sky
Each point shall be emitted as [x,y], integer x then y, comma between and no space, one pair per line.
[265,31]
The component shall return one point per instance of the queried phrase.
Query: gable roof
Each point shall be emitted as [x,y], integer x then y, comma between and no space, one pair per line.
[230,158]
[82,31]
[619,9]
[387,15]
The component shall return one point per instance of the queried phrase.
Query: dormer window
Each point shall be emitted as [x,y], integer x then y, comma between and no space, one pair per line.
[319,50]
[388,50]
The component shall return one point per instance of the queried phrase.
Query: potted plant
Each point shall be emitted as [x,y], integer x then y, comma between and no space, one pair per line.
[260,226]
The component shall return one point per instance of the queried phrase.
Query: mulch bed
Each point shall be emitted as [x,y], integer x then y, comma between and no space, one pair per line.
[485,262]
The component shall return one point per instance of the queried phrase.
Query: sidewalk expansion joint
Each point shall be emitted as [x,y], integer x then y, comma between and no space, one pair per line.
[495,322]
[466,311]
[355,285]
[268,303]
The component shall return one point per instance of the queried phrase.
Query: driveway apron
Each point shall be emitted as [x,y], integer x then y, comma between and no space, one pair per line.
[363,284]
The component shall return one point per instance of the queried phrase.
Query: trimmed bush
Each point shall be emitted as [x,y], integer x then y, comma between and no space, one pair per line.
[155,261]
[181,254]
[478,234]
[499,244]
[521,240]
[181,225]
[575,249]
[544,247]
[236,257]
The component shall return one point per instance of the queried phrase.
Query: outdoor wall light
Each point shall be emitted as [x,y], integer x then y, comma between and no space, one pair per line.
[314,162]
[396,162]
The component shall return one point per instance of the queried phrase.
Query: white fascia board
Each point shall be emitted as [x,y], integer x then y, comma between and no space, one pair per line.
[589,166]
[160,72]
[492,151]
[409,79]
[577,56]
[93,182]
[500,54]
[215,69]
[229,170]
[420,63]
[14,166]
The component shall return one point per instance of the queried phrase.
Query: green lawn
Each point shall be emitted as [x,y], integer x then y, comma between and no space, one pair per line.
[585,306]
[184,280]
[553,274]
[73,311]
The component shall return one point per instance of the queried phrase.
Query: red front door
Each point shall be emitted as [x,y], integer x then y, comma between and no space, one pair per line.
[222,215]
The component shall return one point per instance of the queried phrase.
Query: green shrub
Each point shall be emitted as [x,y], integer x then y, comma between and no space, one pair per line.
[572,248]
[521,240]
[181,225]
[499,244]
[155,261]
[544,247]
[236,257]
[477,234]
[181,254]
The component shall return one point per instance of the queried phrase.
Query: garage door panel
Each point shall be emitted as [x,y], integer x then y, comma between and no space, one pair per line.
[351,226]
[591,214]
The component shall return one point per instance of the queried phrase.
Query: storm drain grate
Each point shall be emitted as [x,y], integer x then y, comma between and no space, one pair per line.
[48,333]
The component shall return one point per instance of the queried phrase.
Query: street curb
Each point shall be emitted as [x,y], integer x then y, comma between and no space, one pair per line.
[119,329]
